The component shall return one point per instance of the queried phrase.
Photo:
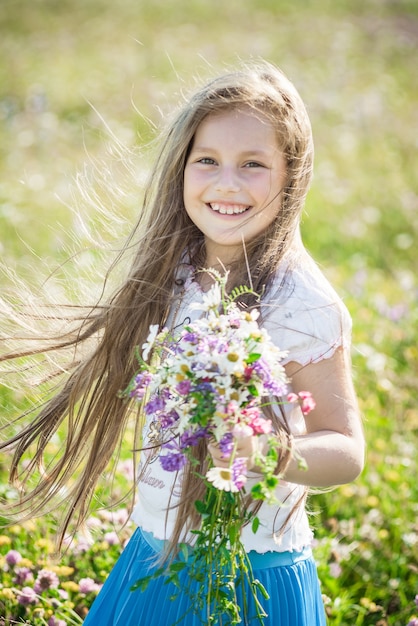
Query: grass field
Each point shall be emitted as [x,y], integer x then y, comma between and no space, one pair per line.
[78,76]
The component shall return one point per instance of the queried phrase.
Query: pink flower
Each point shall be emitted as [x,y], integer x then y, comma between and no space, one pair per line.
[305,399]
[111,538]
[232,408]
[87,585]
[240,431]
[308,403]
[27,596]
[248,372]
[46,580]
[53,621]
[13,557]
[22,575]
[261,426]
[335,570]
[251,412]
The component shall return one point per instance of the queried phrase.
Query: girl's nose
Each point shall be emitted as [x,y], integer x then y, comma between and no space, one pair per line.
[227,180]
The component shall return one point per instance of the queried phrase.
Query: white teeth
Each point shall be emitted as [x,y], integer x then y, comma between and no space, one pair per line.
[228,209]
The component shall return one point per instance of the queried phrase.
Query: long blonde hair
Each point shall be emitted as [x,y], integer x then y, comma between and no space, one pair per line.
[87,398]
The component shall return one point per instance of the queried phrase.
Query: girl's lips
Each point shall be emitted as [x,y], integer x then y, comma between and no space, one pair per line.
[228,209]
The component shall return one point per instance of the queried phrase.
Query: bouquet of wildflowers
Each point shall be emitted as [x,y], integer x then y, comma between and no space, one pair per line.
[211,382]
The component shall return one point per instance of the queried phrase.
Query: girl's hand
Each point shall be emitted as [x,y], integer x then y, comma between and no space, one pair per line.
[245,448]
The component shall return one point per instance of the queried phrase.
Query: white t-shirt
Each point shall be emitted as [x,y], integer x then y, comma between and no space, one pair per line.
[305,317]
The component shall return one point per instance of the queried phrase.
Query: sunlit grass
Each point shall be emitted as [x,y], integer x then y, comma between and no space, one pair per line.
[71,72]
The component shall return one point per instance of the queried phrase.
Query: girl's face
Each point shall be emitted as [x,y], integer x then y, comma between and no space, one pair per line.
[233,181]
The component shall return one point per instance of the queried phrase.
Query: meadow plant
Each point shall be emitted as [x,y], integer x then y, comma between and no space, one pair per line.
[41,588]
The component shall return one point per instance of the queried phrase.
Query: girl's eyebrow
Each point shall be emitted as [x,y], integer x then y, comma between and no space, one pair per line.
[252,152]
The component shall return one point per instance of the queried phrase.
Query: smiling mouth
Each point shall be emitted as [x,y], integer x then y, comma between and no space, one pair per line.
[228,209]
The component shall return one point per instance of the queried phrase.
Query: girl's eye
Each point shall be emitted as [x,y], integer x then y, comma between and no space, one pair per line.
[253,164]
[206,161]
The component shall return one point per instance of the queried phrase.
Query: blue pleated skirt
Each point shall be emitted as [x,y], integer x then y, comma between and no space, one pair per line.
[290,578]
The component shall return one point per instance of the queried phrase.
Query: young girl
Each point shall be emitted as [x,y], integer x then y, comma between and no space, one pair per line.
[227,192]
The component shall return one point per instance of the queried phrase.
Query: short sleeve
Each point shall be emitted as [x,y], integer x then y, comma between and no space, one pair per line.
[305,317]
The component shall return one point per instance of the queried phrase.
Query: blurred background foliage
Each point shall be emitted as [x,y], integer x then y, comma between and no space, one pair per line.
[79,77]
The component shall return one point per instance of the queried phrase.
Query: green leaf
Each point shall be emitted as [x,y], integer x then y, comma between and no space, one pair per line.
[253,357]
[272,482]
[255,525]
[253,390]
[142,583]
[185,551]
[232,533]
[201,507]
[256,583]
[178,566]
[257,492]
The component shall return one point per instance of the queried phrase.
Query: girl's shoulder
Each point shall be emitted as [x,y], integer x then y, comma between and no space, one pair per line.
[304,314]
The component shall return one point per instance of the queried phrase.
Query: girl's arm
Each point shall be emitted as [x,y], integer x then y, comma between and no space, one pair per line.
[333,446]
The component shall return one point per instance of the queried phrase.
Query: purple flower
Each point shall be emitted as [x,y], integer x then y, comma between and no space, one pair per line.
[141,382]
[27,596]
[167,420]
[226,445]
[13,557]
[205,387]
[173,461]
[413,622]
[262,370]
[53,621]
[87,585]
[189,337]
[215,344]
[183,387]
[192,437]
[239,472]
[22,575]
[45,580]
[416,601]
[111,538]
[156,403]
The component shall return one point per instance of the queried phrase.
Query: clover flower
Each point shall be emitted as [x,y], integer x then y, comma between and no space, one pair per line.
[13,557]
[111,538]
[27,596]
[46,579]
[54,621]
[88,585]
[22,575]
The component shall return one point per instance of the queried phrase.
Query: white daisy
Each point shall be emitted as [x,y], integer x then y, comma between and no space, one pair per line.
[147,346]
[210,300]
[221,478]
